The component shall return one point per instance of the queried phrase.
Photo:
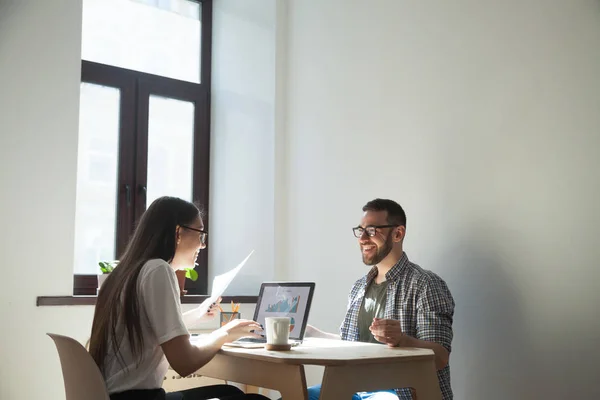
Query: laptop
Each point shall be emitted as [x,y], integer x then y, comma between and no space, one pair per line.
[281,299]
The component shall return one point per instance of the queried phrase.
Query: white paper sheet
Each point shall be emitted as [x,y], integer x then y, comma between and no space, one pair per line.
[220,284]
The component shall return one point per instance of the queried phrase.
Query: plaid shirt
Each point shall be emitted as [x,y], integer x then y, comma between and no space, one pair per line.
[420,300]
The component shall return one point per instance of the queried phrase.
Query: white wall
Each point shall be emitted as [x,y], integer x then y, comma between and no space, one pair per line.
[39,100]
[482,119]
[483,123]
[242,142]
[40,50]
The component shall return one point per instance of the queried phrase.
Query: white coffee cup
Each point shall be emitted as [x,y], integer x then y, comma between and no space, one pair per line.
[277,330]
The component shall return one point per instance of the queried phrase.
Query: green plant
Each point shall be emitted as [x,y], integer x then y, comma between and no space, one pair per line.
[107,266]
[191,273]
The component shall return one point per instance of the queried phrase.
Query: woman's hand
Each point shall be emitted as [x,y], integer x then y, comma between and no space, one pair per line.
[238,328]
[212,311]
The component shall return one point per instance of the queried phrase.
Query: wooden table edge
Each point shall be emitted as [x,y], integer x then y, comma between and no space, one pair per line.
[319,361]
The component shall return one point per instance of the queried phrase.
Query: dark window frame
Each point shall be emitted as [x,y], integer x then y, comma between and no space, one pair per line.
[136,88]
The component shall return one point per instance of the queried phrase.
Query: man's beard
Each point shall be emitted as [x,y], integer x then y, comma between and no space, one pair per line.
[381,252]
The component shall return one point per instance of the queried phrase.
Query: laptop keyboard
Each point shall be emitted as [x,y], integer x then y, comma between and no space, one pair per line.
[251,340]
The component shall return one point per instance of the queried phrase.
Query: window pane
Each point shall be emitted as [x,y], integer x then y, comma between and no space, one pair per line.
[97,160]
[170,148]
[160,37]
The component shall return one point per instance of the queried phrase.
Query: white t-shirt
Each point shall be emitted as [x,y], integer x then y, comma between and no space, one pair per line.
[161,320]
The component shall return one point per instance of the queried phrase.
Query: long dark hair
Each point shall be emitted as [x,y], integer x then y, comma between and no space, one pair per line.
[154,237]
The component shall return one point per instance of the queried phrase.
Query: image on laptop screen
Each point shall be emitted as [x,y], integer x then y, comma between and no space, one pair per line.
[286,299]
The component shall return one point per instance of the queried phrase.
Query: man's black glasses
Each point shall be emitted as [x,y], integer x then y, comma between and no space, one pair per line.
[371,230]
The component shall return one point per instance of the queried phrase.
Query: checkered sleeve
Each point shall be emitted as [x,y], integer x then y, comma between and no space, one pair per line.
[345,326]
[349,327]
[435,312]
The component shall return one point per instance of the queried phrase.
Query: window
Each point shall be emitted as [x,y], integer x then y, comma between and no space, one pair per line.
[160,37]
[144,122]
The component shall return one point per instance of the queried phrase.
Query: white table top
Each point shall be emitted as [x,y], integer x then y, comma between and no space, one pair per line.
[332,352]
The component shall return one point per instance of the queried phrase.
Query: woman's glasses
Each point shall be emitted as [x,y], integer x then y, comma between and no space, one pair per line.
[203,234]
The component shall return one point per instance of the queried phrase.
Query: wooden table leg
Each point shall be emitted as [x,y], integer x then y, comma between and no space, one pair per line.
[334,386]
[425,382]
[340,382]
[287,379]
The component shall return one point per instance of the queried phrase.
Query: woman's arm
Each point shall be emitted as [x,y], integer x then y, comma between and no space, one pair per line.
[186,358]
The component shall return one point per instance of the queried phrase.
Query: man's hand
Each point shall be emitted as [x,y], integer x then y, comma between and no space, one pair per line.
[387,331]
[311,331]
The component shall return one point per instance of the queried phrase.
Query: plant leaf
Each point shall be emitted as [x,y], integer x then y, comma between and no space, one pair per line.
[106,267]
[191,273]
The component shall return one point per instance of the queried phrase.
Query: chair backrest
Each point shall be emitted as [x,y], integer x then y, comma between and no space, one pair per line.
[82,378]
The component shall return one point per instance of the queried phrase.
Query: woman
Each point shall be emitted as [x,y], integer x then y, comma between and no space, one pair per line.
[138,329]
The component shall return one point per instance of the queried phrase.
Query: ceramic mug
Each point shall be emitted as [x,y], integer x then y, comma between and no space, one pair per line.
[277,330]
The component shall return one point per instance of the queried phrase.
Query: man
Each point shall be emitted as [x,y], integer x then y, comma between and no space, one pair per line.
[397,303]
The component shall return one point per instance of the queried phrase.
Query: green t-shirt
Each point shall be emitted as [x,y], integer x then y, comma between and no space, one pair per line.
[373,305]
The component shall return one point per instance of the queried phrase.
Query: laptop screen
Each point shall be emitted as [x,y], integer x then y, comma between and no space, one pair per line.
[286,299]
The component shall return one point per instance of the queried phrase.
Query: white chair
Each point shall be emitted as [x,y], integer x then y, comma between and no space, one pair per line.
[82,378]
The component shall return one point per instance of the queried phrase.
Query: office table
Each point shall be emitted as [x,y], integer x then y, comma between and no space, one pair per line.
[350,367]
